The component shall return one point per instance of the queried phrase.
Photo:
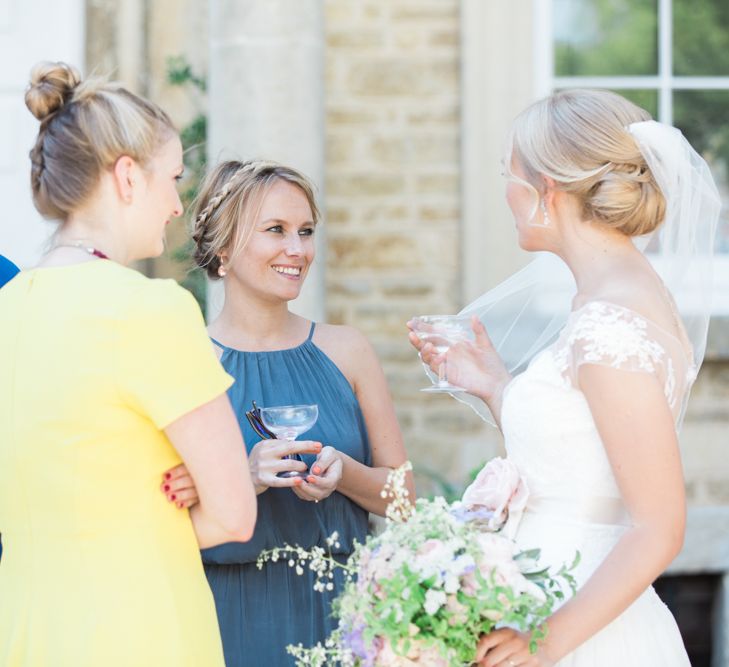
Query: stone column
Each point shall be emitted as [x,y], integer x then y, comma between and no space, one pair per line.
[498,81]
[266,100]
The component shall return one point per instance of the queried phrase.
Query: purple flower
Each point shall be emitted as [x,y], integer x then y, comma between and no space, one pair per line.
[464,514]
[355,642]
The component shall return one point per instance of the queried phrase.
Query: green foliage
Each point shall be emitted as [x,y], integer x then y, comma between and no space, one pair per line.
[619,38]
[193,137]
[700,38]
[439,485]
[179,73]
[606,37]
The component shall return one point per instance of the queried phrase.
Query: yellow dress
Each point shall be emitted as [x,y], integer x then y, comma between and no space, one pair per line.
[98,569]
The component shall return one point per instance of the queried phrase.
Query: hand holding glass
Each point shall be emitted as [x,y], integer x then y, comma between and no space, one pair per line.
[287,422]
[442,331]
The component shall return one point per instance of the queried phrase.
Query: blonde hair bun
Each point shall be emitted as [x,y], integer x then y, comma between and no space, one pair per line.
[85,127]
[628,199]
[51,85]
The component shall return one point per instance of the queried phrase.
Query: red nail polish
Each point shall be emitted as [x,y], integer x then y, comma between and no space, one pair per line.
[173,496]
[316,470]
[168,475]
[167,487]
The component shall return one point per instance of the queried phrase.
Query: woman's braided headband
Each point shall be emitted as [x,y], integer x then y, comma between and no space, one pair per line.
[221,194]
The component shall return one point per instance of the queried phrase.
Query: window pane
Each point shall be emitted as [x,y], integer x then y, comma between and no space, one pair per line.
[605,37]
[648,99]
[701,116]
[701,38]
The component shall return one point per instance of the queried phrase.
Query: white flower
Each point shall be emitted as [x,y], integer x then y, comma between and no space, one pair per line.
[434,600]
[495,549]
[451,583]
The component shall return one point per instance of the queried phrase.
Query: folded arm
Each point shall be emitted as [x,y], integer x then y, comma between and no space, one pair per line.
[211,445]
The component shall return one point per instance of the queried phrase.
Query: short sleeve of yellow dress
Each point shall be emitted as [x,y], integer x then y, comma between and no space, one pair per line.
[97,567]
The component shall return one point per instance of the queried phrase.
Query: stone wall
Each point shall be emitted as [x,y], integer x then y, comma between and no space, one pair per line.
[393,201]
[705,434]
[131,42]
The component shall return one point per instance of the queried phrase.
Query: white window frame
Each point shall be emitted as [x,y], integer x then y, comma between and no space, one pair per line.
[664,82]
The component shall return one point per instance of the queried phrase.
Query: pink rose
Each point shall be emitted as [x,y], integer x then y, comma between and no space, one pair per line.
[458,611]
[429,545]
[499,488]
[470,585]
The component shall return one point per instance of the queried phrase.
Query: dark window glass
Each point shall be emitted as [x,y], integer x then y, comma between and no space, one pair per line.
[691,599]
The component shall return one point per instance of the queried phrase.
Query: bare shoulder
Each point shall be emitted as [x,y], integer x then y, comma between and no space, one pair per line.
[347,347]
[643,295]
[340,339]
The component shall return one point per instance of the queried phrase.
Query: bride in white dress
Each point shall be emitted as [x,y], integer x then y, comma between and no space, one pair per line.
[592,423]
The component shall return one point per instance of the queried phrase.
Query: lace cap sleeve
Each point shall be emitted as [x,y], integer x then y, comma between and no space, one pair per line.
[610,335]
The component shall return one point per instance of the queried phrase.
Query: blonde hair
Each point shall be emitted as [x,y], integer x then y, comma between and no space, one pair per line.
[227,207]
[580,139]
[85,126]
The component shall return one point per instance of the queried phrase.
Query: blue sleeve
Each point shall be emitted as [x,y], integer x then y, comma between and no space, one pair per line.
[7,270]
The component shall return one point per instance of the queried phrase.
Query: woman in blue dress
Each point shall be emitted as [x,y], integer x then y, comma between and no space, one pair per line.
[254,229]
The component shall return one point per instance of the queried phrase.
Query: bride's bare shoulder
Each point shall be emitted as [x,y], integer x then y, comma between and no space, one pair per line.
[644,295]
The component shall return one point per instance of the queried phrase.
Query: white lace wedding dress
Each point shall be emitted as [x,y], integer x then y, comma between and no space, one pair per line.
[574,502]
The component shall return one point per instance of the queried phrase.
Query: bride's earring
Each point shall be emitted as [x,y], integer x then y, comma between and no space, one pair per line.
[222,271]
[545,215]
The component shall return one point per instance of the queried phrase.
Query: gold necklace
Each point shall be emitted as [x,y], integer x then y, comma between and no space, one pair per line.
[82,246]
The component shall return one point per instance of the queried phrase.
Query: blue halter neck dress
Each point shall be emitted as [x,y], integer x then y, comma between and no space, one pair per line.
[262,611]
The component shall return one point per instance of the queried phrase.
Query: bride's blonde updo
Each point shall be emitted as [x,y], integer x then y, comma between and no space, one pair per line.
[85,126]
[580,139]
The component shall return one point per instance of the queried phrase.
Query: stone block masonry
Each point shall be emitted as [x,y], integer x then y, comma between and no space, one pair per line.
[393,201]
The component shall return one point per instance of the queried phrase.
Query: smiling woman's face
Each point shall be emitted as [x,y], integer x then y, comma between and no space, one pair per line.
[280,250]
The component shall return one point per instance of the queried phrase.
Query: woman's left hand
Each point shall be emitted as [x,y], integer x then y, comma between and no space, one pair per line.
[508,648]
[323,478]
[179,488]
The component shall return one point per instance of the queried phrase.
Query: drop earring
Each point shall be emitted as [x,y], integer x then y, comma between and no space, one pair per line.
[222,271]
[545,215]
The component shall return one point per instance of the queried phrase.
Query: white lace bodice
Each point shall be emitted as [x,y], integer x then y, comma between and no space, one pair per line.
[548,428]
[574,503]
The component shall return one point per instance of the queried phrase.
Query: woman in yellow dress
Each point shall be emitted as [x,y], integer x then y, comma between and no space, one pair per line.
[108,379]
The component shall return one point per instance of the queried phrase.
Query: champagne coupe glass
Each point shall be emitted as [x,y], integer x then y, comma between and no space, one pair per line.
[287,422]
[442,331]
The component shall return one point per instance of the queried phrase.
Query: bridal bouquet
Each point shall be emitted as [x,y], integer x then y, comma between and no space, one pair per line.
[437,578]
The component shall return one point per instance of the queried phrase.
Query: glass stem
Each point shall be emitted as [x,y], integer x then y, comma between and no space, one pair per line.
[442,380]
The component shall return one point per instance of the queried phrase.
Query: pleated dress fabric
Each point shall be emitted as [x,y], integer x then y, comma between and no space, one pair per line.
[260,612]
